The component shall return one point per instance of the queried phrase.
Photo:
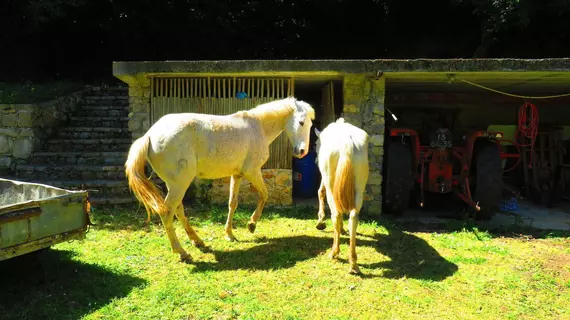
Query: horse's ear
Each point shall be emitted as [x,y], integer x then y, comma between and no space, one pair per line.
[317,132]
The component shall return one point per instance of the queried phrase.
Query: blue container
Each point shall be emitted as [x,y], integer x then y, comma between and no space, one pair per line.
[305,175]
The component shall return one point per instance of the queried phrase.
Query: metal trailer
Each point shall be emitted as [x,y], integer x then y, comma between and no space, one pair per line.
[37,216]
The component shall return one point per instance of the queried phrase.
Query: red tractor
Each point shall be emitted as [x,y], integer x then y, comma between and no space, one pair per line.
[472,171]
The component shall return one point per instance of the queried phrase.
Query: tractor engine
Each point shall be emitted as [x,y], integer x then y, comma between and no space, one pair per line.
[440,161]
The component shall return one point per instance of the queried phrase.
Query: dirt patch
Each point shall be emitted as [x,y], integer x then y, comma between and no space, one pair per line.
[559,264]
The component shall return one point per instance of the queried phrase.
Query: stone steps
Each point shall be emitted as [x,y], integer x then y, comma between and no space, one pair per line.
[93,145]
[100,122]
[106,100]
[89,153]
[101,107]
[54,173]
[98,158]
[104,113]
[107,91]
[93,133]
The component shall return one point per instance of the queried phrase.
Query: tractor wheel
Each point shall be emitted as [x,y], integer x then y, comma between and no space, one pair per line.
[398,179]
[488,191]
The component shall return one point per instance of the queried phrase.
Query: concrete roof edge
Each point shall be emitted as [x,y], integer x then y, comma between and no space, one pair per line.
[342,66]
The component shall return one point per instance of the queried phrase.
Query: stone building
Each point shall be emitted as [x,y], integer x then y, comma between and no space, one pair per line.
[358,90]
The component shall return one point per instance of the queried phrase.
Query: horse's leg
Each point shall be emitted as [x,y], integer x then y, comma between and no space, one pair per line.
[336,218]
[353,224]
[192,235]
[321,223]
[177,183]
[172,201]
[256,180]
[322,195]
[232,205]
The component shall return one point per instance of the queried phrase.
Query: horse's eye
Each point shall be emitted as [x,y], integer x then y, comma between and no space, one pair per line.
[302,123]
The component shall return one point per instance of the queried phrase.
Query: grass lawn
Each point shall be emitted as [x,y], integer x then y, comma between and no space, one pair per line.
[126,270]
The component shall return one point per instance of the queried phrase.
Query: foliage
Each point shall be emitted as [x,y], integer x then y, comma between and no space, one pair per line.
[55,37]
[499,16]
[29,92]
[126,270]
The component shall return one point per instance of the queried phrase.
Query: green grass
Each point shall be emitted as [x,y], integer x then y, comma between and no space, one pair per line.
[126,270]
[29,92]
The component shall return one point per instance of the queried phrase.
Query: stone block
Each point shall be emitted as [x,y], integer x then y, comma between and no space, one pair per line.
[10,120]
[284,179]
[5,162]
[353,118]
[350,108]
[27,132]
[146,124]
[25,119]
[140,107]
[136,134]
[23,148]
[372,207]
[134,125]
[352,94]
[5,145]
[375,178]
[377,140]
[374,190]
[9,132]
[378,109]
[377,151]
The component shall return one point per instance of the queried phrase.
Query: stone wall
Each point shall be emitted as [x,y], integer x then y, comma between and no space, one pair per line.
[364,108]
[279,183]
[139,109]
[24,126]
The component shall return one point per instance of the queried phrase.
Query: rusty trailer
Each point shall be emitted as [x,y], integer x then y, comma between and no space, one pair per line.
[37,216]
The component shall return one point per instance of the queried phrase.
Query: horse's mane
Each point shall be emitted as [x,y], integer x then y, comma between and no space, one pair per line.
[279,109]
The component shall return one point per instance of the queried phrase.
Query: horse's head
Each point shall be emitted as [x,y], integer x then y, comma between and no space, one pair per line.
[298,127]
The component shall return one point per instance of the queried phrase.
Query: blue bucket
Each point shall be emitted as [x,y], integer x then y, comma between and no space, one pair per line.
[305,176]
[510,205]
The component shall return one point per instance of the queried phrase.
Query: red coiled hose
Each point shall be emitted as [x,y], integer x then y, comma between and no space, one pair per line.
[528,126]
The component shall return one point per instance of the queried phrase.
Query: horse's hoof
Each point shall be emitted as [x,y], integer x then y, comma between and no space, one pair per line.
[186,258]
[251,227]
[321,226]
[354,270]
[203,247]
[333,255]
[231,238]
[199,244]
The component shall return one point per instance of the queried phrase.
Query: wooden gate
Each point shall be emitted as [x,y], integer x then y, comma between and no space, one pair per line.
[327,115]
[222,96]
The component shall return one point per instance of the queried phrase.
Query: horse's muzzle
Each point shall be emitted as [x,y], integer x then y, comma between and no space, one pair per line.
[298,153]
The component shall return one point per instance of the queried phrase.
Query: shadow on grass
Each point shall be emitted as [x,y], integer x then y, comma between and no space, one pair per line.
[467,224]
[48,284]
[409,255]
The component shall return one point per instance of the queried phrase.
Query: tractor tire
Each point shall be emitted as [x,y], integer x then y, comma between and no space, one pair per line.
[489,187]
[398,178]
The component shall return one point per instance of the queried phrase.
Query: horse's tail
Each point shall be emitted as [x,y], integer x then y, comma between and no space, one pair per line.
[343,188]
[144,189]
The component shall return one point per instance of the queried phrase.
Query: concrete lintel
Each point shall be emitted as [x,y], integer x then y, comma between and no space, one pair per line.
[121,69]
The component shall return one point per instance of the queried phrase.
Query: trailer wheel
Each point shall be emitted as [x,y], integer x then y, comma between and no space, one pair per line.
[488,191]
[398,179]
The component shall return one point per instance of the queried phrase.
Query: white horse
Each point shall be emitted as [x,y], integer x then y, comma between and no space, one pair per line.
[180,147]
[342,157]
